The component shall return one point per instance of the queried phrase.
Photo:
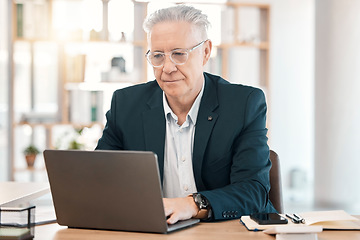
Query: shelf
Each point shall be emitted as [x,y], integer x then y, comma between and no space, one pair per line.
[261,45]
[64,41]
[97,86]
[256,5]
[80,66]
[51,125]
[30,169]
[231,4]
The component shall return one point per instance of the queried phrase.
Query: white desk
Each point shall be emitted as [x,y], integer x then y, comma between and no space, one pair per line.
[15,193]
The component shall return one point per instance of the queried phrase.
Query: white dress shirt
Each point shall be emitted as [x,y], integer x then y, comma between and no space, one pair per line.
[179,178]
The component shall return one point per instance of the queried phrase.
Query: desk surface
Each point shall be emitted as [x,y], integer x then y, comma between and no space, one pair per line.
[203,231]
[13,193]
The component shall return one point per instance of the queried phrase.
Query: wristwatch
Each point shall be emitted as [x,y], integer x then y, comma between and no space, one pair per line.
[205,211]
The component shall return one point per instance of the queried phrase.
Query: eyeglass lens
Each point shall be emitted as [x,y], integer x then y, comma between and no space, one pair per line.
[176,56]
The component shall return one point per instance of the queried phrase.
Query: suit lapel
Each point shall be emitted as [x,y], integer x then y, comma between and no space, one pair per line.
[154,128]
[204,125]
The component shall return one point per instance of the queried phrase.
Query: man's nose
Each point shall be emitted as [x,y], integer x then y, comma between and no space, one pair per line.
[169,66]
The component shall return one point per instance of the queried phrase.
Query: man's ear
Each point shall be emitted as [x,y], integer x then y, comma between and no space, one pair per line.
[207,51]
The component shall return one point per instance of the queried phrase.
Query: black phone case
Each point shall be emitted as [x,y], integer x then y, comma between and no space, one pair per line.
[263,220]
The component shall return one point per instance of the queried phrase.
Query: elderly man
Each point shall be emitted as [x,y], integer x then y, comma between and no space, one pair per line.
[209,135]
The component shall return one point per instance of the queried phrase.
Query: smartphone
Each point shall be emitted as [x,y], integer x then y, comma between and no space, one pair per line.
[268,218]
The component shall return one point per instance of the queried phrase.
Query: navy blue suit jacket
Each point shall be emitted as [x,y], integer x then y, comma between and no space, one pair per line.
[230,153]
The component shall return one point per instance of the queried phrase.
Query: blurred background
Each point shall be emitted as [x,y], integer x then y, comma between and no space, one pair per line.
[61,60]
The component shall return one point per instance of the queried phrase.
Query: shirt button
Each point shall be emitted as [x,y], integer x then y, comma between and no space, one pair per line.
[180,130]
[186,188]
[183,159]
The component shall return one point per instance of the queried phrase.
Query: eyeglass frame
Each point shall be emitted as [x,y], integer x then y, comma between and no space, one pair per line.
[147,54]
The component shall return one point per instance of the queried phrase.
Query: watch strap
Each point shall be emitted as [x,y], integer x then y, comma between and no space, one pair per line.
[202,214]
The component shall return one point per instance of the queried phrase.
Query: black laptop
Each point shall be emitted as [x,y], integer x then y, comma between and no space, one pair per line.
[113,190]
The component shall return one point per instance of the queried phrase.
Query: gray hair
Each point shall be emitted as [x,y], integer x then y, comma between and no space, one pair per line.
[179,13]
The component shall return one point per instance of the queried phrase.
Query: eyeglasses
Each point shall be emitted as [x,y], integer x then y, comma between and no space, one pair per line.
[177,56]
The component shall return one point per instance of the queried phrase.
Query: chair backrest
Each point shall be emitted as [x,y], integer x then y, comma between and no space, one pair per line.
[275,193]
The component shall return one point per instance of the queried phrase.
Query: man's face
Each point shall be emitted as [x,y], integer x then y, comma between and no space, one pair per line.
[179,82]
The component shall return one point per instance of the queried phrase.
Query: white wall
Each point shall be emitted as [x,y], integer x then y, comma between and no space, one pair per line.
[315,117]
[291,99]
[292,95]
[337,116]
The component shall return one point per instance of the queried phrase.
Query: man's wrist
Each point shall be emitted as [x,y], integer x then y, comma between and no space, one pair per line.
[204,208]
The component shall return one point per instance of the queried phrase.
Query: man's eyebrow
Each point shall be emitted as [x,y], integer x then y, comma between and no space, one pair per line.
[178,49]
[170,50]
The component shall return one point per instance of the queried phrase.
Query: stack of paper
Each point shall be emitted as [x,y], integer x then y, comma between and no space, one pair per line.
[298,232]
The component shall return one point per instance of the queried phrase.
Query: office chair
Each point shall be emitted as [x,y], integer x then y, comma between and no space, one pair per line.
[275,193]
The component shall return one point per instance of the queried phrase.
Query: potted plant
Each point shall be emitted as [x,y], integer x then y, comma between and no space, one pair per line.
[30,154]
[75,145]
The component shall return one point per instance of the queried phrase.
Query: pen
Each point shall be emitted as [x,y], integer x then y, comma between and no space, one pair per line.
[294,220]
[302,220]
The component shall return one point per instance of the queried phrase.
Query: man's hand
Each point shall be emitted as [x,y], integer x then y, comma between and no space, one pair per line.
[179,209]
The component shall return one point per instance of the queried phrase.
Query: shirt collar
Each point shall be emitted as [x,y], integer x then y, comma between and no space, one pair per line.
[194,110]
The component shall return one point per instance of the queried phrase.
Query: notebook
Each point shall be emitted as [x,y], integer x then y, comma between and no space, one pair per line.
[111,190]
[329,220]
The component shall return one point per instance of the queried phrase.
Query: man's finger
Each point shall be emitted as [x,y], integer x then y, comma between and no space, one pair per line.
[168,212]
[172,219]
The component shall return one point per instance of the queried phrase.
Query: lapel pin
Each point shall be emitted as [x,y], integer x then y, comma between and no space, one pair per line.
[210,118]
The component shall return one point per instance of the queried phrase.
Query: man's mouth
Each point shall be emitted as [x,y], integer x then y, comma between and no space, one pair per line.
[171,80]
